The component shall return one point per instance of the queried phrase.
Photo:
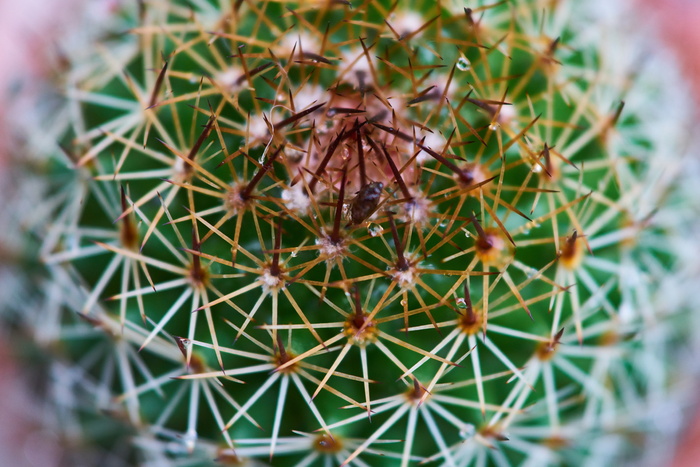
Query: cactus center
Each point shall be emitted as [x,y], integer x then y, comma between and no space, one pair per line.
[296,200]
[227,456]
[326,444]
[417,394]
[492,249]
[234,201]
[492,432]
[330,248]
[281,358]
[359,329]
[272,277]
[572,252]
[198,275]
[405,275]
[197,364]
[417,210]
[556,442]
[472,174]
[471,321]
[546,350]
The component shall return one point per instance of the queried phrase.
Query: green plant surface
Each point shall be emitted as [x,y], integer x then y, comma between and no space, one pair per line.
[317,233]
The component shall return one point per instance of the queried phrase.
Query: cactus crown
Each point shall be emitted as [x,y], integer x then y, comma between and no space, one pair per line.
[323,232]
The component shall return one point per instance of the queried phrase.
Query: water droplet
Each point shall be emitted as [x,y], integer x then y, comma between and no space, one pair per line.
[467,233]
[374,230]
[494,126]
[530,272]
[293,254]
[463,64]
[461,303]
[467,432]
[537,168]
[404,302]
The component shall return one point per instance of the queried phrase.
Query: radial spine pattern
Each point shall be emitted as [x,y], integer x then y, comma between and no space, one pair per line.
[324,233]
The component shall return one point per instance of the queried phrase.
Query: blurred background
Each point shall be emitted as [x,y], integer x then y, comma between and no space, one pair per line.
[27,30]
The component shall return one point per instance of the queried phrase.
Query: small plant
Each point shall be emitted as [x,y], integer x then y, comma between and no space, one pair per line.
[323,233]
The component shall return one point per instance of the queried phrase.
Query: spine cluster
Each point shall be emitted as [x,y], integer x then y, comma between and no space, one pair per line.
[319,233]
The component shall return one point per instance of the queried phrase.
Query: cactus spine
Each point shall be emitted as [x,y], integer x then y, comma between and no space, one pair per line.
[316,233]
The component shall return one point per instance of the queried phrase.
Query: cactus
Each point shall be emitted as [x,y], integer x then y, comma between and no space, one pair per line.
[317,233]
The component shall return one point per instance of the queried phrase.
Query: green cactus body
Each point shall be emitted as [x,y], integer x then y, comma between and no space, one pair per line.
[316,233]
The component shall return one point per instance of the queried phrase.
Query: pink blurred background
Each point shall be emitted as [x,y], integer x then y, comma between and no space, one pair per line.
[26,31]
